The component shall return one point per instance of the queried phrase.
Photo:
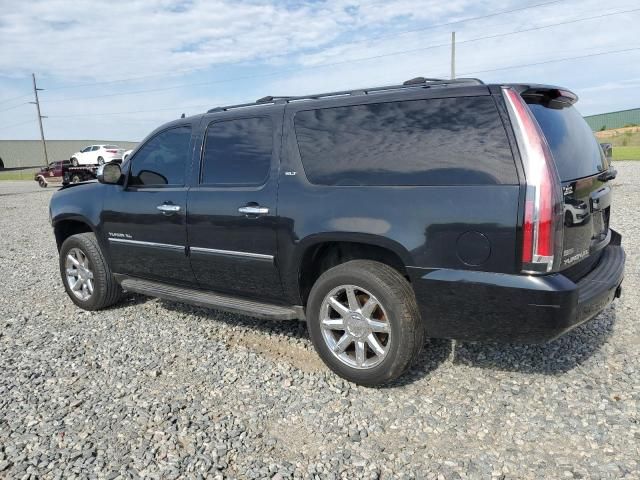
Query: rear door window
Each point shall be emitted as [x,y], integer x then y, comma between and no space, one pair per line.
[237,152]
[446,141]
[573,144]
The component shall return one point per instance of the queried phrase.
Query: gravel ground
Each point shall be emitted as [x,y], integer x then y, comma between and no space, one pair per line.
[162,390]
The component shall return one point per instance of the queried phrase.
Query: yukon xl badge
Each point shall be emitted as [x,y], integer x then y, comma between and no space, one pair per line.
[119,235]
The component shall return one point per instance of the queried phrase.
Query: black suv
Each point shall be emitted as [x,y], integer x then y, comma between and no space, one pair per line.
[381,216]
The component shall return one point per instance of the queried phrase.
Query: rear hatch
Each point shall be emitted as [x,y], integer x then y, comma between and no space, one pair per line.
[585,175]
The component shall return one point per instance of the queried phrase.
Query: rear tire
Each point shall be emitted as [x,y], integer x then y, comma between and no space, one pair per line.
[75,178]
[100,161]
[74,162]
[42,183]
[89,267]
[395,323]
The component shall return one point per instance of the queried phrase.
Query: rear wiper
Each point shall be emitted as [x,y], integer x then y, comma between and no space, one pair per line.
[610,174]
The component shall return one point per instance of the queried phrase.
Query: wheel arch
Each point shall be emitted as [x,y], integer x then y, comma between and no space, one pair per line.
[319,253]
[67,226]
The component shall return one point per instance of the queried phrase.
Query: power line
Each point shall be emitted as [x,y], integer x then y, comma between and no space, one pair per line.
[576,57]
[6,100]
[15,106]
[610,52]
[381,37]
[130,112]
[6,127]
[342,62]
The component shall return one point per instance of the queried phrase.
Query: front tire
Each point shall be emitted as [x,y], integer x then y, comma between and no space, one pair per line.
[74,162]
[42,183]
[364,322]
[100,161]
[85,273]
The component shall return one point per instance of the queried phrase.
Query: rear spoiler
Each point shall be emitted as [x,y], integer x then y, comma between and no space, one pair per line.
[547,95]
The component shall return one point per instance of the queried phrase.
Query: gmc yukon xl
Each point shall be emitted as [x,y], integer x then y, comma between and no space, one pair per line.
[435,208]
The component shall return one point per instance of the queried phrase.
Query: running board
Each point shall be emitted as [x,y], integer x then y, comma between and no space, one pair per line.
[216,301]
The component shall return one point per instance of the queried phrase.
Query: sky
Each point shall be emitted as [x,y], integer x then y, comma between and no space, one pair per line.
[115,70]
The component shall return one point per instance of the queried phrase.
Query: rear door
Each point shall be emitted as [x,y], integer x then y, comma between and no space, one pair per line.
[583,171]
[232,216]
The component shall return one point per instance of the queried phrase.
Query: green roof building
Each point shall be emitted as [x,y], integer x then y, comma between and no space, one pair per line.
[608,121]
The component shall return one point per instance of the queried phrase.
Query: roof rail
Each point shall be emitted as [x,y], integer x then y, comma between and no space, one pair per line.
[418,82]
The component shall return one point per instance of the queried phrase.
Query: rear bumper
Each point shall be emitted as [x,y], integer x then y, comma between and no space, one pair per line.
[485,306]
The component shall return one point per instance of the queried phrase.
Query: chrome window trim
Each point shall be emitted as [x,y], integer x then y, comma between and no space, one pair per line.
[147,244]
[215,251]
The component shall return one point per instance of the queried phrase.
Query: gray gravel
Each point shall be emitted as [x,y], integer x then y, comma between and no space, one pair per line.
[162,390]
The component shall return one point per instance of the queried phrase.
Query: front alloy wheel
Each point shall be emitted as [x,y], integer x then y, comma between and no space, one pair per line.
[79,274]
[86,274]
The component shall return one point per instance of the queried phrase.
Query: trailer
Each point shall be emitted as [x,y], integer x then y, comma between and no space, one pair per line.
[79,174]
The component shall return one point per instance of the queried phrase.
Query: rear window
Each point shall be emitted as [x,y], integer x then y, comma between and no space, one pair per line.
[446,141]
[573,145]
[111,146]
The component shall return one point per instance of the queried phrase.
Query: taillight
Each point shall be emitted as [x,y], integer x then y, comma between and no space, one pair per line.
[112,151]
[542,225]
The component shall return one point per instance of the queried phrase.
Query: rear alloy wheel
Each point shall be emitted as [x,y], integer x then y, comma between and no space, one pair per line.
[355,327]
[86,275]
[364,322]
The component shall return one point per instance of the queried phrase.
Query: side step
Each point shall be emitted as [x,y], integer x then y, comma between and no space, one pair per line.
[216,301]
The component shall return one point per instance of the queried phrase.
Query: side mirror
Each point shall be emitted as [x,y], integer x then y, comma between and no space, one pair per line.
[109,173]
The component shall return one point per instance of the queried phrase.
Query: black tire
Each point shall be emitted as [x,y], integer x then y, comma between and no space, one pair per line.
[74,162]
[75,179]
[42,183]
[100,161]
[106,291]
[395,294]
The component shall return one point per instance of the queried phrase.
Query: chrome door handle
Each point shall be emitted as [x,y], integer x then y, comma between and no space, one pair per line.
[168,208]
[252,210]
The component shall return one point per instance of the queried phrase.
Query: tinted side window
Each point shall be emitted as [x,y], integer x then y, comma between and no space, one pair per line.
[238,152]
[162,160]
[447,141]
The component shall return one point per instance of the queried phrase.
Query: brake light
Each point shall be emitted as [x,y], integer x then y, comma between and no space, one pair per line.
[112,151]
[542,224]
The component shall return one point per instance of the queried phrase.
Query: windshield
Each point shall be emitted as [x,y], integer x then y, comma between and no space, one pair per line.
[574,147]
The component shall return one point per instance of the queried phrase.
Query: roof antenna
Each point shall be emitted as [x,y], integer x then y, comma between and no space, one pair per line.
[182,116]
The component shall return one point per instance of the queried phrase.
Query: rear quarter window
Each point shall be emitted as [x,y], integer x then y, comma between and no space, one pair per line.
[446,141]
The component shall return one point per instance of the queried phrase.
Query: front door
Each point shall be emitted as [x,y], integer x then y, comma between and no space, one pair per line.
[232,207]
[145,222]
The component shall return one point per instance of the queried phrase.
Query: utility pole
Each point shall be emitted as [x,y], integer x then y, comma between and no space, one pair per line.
[453,55]
[40,117]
